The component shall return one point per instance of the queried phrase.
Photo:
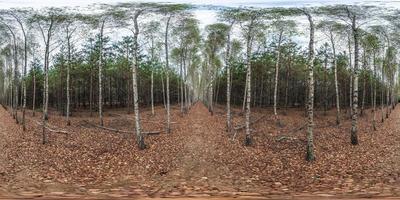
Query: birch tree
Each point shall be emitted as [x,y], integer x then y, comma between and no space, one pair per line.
[332,30]
[282,28]
[46,21]
[310,103]
[249,19]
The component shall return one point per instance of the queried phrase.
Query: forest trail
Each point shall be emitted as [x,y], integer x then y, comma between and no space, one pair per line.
[199,133]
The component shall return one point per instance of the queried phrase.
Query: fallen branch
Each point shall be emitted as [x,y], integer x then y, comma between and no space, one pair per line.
[285,138]
[121,131]
[252,122]
[297,129]
[145,121]
[148,121]
[52,129]
[108,128]
[152,133]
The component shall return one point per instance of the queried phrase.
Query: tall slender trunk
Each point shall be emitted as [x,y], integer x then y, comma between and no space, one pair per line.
[310,100]
[34,92]
[91,92]
[212,80]
[278,56]
[364,82]
[387,98]
[287,83]
[100,66]
[128,85]
[152,76]
[24,70]
[186,107]
[244,96]
[382,89]
[181,81]
[46,80]
[248,140]
[354,122]
[68,74]
[374,93]
[167,75]
[163,90]
[351,76]
[228,81]
[16,85]
[139,136]
[152,92]
[336,79]
[325,84]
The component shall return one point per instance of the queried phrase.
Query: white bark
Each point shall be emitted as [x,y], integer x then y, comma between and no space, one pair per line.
[336,79]
[278,56]
[167,75]
[310,100]
[100,66]
[228,80]
[354,137]
[139,136]
[248,140]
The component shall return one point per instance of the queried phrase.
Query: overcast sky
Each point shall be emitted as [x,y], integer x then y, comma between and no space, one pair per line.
[205,16]
[255,3]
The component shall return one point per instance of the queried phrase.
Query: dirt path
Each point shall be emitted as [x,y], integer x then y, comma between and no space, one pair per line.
[198,133]
[199,144]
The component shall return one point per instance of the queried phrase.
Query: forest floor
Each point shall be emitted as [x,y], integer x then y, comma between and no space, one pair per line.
[199,158]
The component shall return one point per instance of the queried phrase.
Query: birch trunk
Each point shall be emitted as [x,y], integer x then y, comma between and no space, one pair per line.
[336,79]
[34,92]
[310,100]
[152,92]
[228,81]
[364,82]
[68,74]
[167,76]
[139,136]
[354,136]
[181,82]
[100,63]
[91,92]
[374,95]
[325,84]
[248,140]
[351,77]
[278,53]
[46,80]
[24,70]
[387,98]
[382,91]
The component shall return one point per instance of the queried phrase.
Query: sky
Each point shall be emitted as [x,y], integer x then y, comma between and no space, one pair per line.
[206,16]
[233,3]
